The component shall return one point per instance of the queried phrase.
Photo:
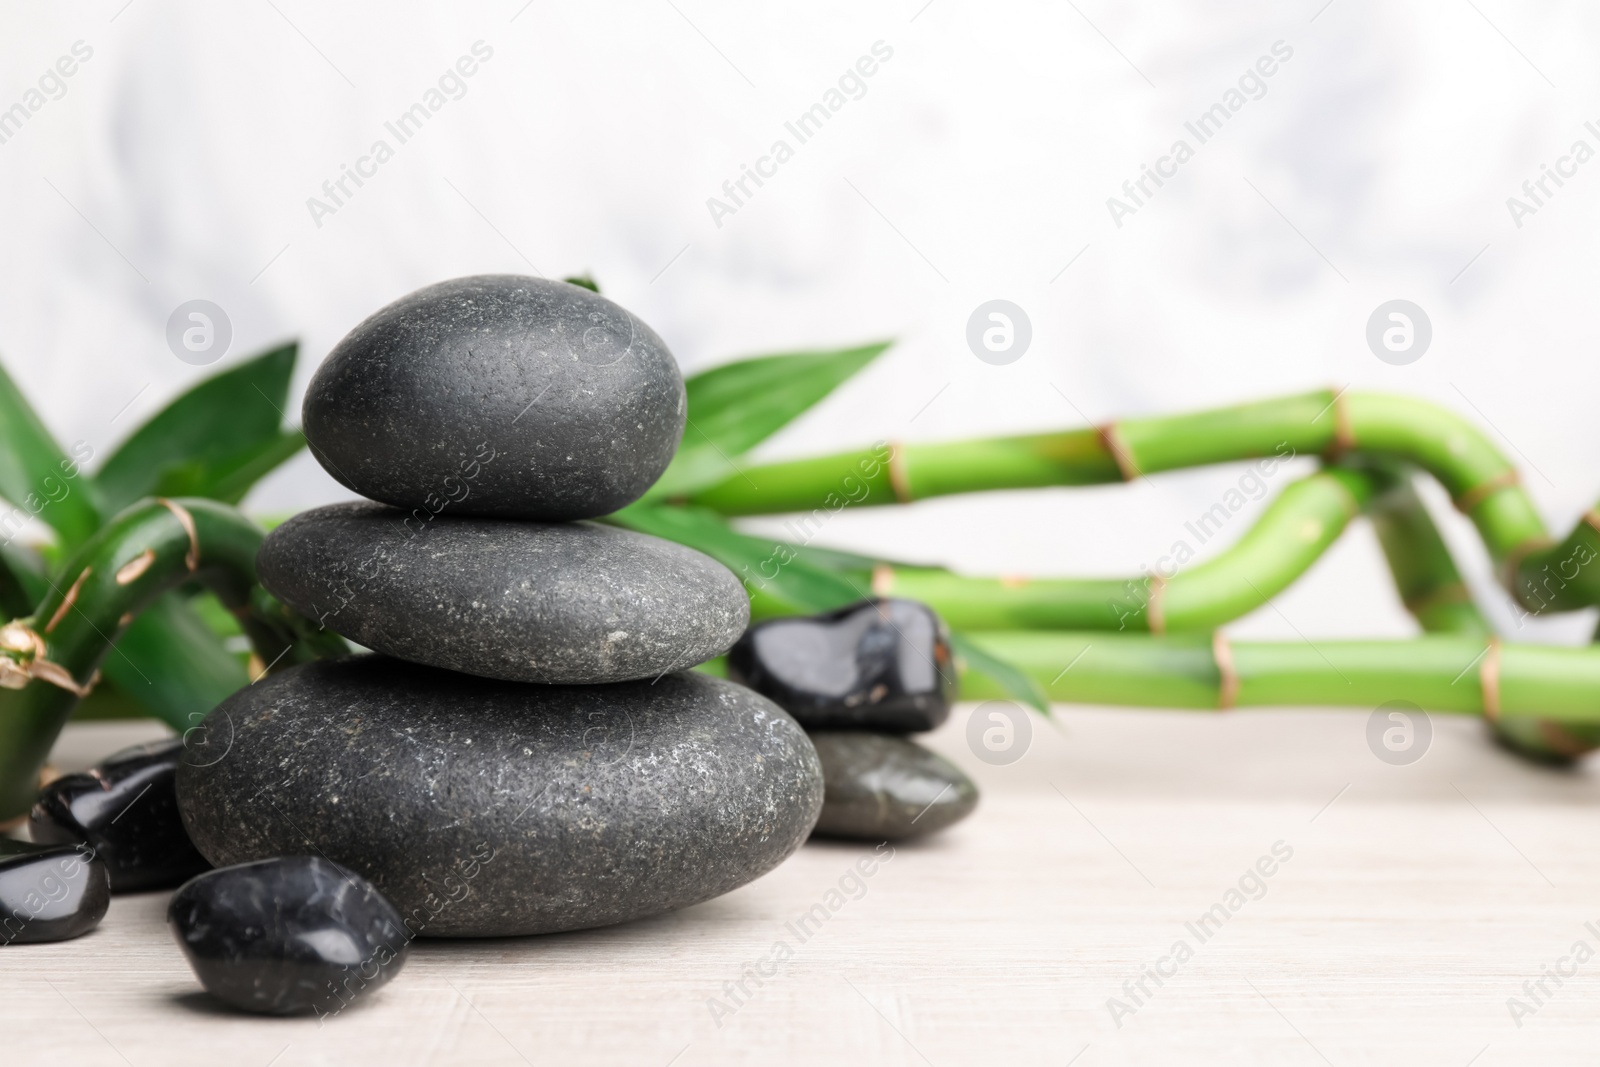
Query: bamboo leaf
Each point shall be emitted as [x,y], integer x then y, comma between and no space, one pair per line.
[22,580]
[734,407]
[1013,680]
[229,478]
[207,428]
[36,475]
[171,663]
[105,702]
[778,579]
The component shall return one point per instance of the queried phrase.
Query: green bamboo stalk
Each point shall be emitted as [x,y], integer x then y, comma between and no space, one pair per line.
[1432,590]
[1424,572]
[1442,673]
[1541,575]
[1296,528]
[50,660]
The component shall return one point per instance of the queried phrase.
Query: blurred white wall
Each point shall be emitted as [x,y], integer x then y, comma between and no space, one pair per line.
[1375,164]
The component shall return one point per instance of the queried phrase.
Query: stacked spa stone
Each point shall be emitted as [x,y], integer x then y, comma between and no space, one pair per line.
[524,750]
[859,679]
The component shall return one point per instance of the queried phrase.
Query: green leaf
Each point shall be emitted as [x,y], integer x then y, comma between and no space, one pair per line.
[229,478]
[734,407]
[583,281]
[36,476]
[208,428]
[172,664]
[778,579]
[105,702]
[1013,680]
[22,580]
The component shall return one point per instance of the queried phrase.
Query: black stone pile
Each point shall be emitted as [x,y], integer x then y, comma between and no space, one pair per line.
[859,679]
[524,750]
[111,829]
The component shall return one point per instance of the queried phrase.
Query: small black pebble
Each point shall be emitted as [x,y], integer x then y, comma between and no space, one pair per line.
[885,788]
[881,665]
[288,936]
[126,810]
[50,892]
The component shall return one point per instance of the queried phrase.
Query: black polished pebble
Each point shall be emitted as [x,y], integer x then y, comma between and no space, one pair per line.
[50,892]
[498,395]
[881,665]
[288,936]
[558,603]
[124,809]
[882,787]
[485,808]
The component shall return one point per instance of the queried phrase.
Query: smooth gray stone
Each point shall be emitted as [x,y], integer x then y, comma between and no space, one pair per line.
[501,395]
[485,808]
[885,788]
[560,603]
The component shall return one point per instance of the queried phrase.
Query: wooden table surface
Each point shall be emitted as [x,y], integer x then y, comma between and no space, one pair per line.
[1416,902]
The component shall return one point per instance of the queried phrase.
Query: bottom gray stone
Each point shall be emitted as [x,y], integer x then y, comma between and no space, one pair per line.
[483,808]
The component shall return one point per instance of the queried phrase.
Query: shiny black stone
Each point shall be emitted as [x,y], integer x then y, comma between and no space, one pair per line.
[880,665]
[879,787]
[124,809]
[288,936]
[50,892]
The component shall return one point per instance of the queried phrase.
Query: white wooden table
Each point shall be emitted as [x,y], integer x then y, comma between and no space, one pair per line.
[1417,900]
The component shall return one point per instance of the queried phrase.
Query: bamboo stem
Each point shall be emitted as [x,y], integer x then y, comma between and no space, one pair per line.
[1296,528]
[1442,673]
[1434,593]
[1541,575]
[1424,572]
[51,659]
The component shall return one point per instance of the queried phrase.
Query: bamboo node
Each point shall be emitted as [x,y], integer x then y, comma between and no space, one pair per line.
[1559,738]
[899,477]
[67,601]
[1344,433]
[18,639]
[186,520]
[22,660]
[1452,593]
[1154,614]
[882,579]
[1111,438]
[1489,680]
[131,571]
[46,671]
[1228,674]
[1470,499]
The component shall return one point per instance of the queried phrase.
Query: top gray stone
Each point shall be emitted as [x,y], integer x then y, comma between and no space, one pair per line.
[498,395]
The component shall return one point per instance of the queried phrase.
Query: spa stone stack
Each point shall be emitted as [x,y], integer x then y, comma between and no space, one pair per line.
[525,752]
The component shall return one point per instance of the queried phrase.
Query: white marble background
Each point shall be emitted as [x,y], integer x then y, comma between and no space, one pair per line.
[178,162]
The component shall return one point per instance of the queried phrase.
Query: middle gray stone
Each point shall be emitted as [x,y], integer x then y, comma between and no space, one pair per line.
[558,603]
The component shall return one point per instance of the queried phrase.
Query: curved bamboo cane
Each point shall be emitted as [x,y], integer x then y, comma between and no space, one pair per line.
[50,660]
[1290,535]
[1442,673]
[1541,574]
[1431,588]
